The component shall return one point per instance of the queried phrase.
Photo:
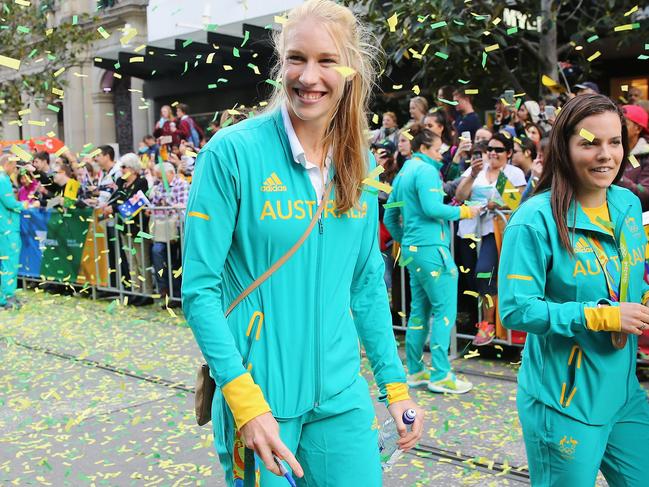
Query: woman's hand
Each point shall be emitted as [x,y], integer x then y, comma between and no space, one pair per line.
[476,167]
[634,318]
[408,438]
[261,434]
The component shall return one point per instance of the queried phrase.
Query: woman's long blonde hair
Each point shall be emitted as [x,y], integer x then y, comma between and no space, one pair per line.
[348,129]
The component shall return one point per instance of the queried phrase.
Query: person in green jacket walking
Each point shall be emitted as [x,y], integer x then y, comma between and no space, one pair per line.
[418,219]
[286,360]
[572,275]
[10,244]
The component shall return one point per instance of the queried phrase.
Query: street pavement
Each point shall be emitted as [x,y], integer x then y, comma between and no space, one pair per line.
[97,393]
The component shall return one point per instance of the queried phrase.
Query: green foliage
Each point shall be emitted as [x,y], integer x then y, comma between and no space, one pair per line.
[522,55]
[26,35]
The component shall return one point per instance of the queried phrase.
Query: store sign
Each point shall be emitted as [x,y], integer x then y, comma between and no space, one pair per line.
[514,18]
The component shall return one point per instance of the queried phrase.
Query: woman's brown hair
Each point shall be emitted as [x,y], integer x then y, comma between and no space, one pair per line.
[421,136]
[558,172]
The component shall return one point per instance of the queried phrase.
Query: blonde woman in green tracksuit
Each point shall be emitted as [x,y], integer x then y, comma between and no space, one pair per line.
[286,361]
[418,219]
[572,275]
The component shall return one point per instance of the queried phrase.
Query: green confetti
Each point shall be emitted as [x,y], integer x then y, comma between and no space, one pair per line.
[211,86]
[643,57]
[235,52]
[23,30]
[442,55]
[404,263]
[75,19]
[54,108]
[246,36]
[512,30]
[439,24]
[448,102]
[484,275]
[463,81]
[484,59]
[33,53]
[592,38]
[187,42]
[276,84]
[396,204]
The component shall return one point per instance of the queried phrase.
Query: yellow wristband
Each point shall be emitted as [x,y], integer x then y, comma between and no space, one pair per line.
[397,391]
[603,318]
[465,212]
[245,399]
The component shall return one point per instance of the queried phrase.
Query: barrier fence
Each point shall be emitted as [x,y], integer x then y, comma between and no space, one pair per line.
[141,257]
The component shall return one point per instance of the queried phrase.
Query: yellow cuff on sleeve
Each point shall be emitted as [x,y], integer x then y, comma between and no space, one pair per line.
[603,318]
[245,399]
[397,391]
[465,212]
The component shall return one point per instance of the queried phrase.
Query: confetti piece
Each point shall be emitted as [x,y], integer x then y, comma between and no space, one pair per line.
[634,162]
[280,19]
[416,90]
[491,48]
[58,72]
[378,185]
[621,28]
[586,135]
[439,24]
[594,56]
[21,153]
[404,263]
[57,92]
[448,102]
[210,58]
[103,32]
[377,171]
[345,71]
[442,55]
[136,59]
[592,38]
[9,62]
[395,204]
[392,22]
[375,118]
[633,10]
[471,92]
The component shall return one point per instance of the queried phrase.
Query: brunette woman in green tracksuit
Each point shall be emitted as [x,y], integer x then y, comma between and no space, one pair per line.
[286,361]
[572,275]
[418,219]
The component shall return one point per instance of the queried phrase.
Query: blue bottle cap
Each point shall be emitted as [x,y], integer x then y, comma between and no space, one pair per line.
[409,416]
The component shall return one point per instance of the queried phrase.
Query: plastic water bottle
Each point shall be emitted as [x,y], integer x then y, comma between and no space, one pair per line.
[388,437]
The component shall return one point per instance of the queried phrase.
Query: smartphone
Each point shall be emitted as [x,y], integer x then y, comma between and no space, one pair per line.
[165,139]
[509,97]
[466,135]
[549,111]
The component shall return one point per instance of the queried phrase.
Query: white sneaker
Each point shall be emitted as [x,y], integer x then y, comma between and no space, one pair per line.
[419,378]
[450,384]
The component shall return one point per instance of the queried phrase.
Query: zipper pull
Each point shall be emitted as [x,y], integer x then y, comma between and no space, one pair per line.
[320,225]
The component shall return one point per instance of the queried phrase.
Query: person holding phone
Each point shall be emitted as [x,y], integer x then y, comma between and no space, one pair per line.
[422,228]
[478,184]
[286,360]
[573,276]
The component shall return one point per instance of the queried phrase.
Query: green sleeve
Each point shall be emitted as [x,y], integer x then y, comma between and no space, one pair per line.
[370,308]
[391,216]
[211,215]
[521,288]
[7,197]
[431,196]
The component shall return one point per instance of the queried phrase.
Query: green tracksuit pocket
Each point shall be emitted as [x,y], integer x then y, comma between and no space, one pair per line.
[569,387]
[253,333]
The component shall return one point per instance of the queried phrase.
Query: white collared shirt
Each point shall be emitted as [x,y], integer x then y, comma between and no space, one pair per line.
[299,156]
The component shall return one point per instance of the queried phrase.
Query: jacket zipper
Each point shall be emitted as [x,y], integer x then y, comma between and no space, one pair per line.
[318,303]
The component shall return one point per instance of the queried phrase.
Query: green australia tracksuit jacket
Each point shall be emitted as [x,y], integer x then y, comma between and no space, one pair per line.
[10,207]
[294,342]
[567,364]
[418,189]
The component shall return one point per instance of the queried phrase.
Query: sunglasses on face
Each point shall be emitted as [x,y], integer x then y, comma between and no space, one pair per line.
[497,150]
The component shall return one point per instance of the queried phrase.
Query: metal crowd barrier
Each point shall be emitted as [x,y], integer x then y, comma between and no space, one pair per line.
[130,245]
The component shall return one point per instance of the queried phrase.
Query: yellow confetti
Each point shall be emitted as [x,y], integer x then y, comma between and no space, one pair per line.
[9,62]
[103,32]
[21,153]
[392,22]
[280,19]
[58,72]
[586,135]
[136,59]
[624,87]
[492,47]
[346,71]
[624,27]
[210,58]
[375,118]
[128,36]
[520,277]
[471,92]
[378,185]
[57,92]
[24,3]
[594,56]
[633,10]
[407,134]
[377,171]
[634,162]
[412,248]
[227,67]
[416,90]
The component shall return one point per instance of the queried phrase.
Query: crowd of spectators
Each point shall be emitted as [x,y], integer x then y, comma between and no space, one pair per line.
[473,156]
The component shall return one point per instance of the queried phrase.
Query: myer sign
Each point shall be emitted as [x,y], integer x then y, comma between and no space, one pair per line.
[514,18]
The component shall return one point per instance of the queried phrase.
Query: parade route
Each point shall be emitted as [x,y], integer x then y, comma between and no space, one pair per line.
[95,393]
